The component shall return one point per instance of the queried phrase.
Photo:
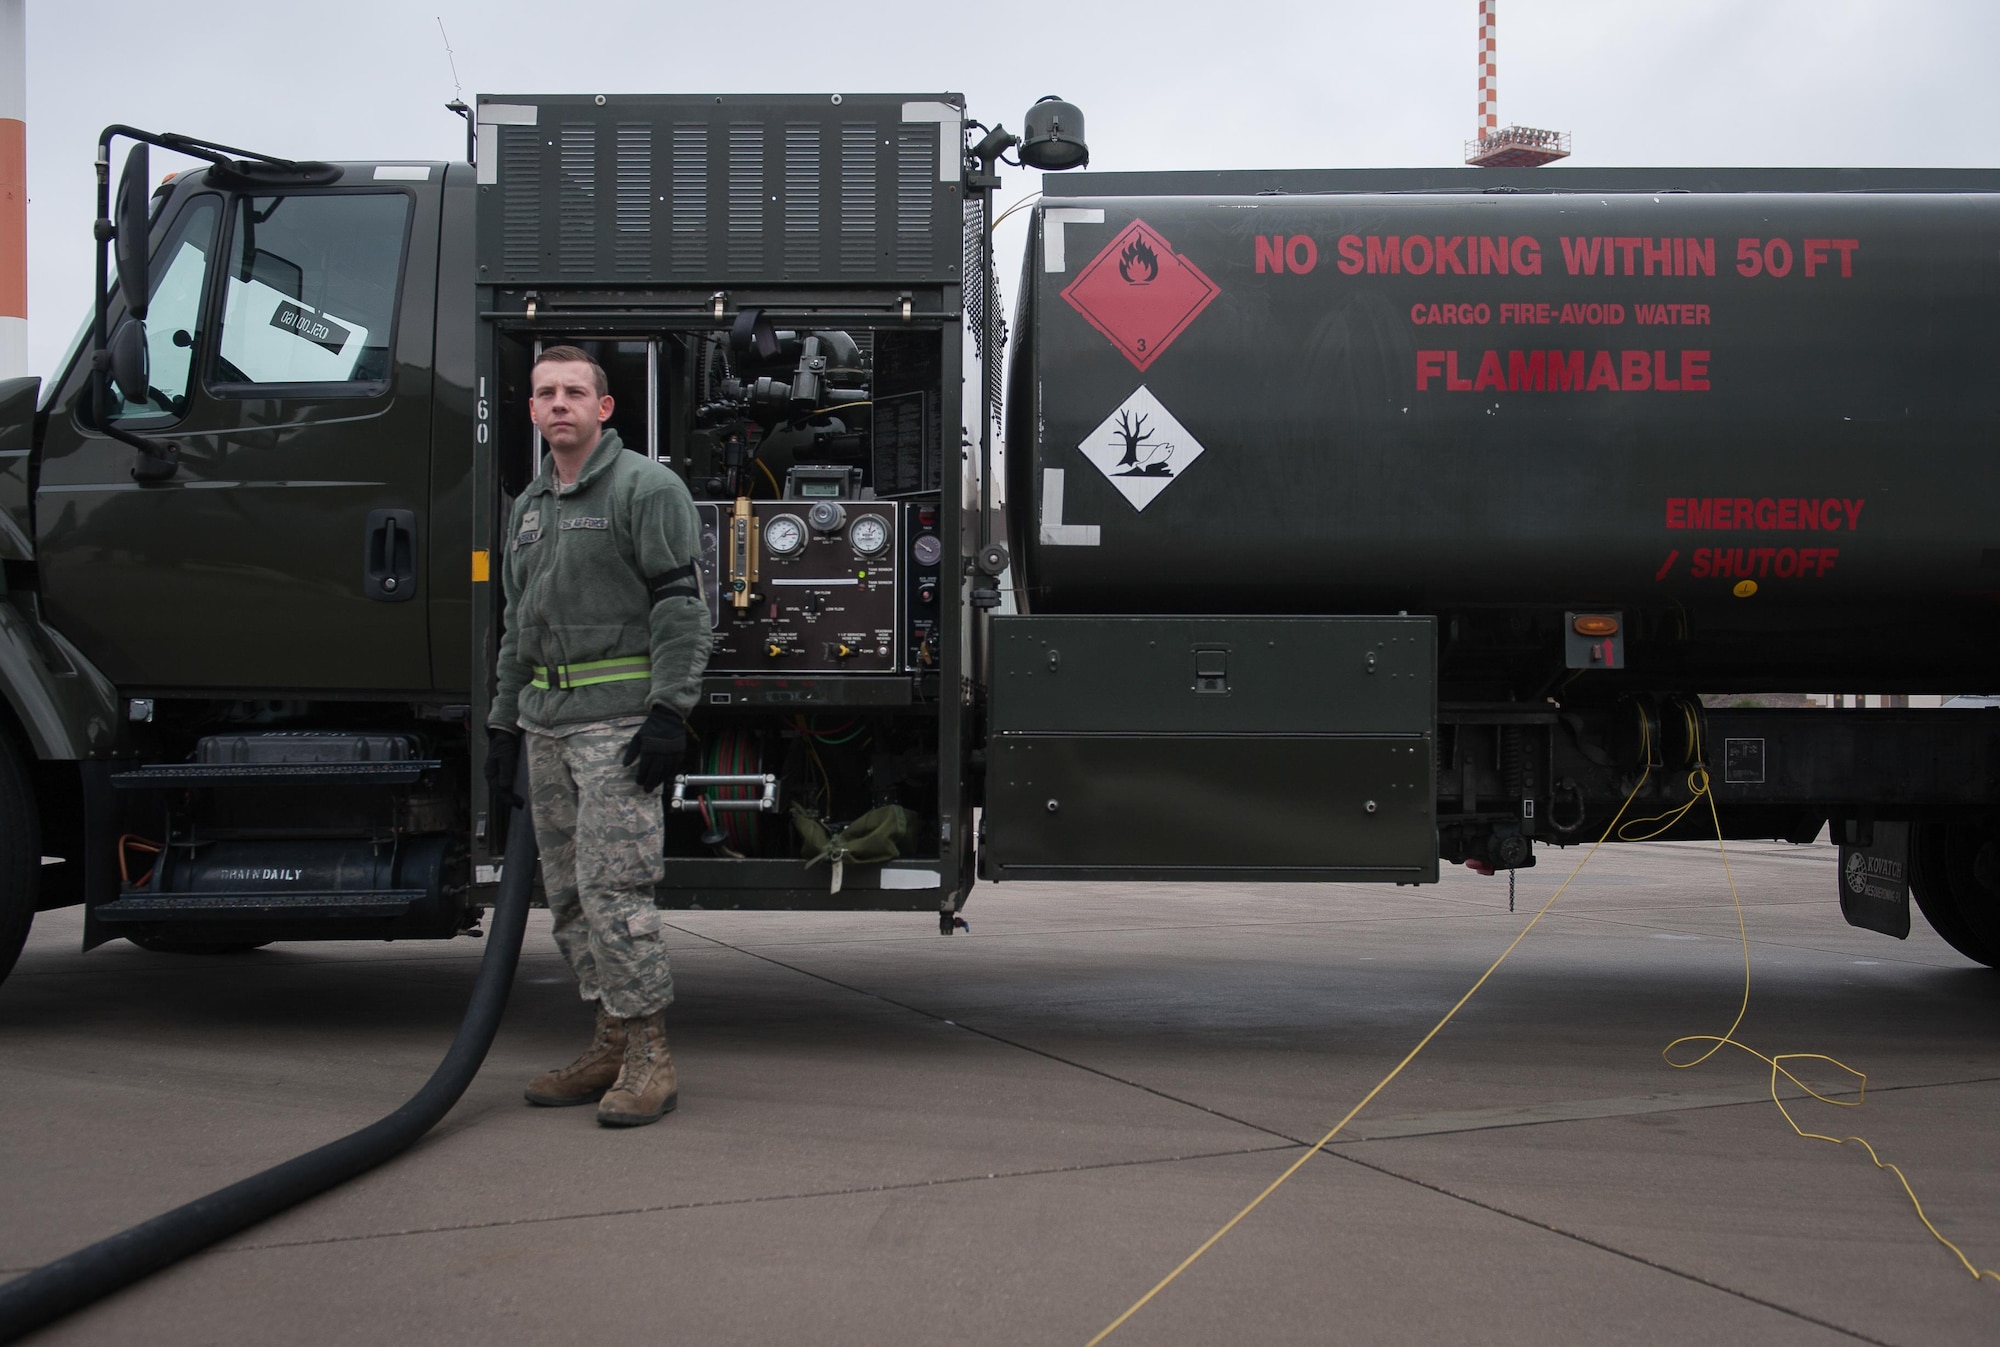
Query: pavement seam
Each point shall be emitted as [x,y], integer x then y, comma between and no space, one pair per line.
[1692,1105]
[1611,1249]
[998,1038]
[657,1208]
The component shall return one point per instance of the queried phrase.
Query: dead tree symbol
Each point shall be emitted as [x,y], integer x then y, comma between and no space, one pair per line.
[1133,431]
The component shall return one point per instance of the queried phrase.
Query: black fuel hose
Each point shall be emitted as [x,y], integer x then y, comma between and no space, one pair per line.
[46,1294]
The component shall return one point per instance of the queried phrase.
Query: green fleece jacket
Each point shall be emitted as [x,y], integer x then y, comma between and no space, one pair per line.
[602,570]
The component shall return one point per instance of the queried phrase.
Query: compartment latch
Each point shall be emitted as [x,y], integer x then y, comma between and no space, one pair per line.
[1211,671]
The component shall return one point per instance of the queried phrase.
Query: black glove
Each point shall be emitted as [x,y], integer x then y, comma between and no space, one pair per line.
[657,748]
[503,763]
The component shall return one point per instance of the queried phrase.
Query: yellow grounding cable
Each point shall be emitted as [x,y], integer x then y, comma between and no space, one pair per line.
[1698,782]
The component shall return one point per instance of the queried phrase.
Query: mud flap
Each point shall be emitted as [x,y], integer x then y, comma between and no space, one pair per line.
[1875,881]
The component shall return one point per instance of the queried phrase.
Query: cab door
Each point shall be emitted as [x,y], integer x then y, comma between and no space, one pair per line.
[290,343]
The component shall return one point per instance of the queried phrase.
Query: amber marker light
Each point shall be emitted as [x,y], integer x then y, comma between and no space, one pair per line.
[1595,624]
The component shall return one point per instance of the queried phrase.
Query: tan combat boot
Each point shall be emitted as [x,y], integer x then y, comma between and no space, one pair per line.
[590,1075]
[646,1089]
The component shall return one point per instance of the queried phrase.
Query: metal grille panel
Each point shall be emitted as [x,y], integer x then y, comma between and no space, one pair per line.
[727,190]
[635,197]
[746,196]
[916,176]
[578,195]
[521,199]
[802,196]
[857,196]
[690,205]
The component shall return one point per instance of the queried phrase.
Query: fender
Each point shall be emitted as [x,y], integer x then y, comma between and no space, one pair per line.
[17,455]
[65,707]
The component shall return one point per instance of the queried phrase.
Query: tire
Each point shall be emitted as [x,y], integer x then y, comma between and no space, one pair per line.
[20,852]
[156,945]
[1955,878]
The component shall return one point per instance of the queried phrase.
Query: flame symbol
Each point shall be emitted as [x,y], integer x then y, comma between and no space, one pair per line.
[1137,257]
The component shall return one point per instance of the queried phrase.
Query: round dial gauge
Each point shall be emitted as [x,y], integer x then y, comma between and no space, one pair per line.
[784,534]
[869,535]
[929,549]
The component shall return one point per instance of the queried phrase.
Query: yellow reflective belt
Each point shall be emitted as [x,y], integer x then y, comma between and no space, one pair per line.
[625,669]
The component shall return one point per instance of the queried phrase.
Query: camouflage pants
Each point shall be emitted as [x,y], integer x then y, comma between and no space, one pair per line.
[600,838]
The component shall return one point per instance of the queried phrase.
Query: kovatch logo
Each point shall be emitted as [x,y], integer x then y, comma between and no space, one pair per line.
[1140,293]
[1141,448]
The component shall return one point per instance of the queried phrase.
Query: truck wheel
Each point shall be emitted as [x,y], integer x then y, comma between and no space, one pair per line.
[1955,878]
[20,853]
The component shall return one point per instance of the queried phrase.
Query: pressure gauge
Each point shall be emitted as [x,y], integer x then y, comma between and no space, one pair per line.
[929,549]
[869,535]
[784,534]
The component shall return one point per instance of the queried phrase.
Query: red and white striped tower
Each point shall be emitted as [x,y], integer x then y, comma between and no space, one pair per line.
[13,188]
[1489,71]
[1505,146]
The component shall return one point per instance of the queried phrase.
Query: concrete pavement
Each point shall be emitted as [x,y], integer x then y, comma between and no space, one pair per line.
[1006,1137]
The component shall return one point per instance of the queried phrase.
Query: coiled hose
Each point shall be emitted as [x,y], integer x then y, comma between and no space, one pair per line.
[38,1298]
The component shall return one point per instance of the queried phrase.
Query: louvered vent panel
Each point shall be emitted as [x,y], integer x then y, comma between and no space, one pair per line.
[577,251]
[802,196]
[916,179]
[857,196]
[721,192]
[746,196]
[690,192]
[635,198]
[521,199]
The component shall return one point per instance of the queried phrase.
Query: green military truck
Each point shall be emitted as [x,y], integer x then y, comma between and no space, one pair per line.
[1351,521]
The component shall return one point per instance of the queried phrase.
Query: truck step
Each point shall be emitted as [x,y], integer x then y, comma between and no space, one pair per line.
[209,775]
[354,903]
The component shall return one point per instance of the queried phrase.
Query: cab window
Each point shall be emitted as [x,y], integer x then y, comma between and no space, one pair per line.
[312,289]
[173,316]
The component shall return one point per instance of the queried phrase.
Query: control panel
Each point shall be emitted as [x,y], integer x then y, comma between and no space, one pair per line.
[923,570]
[802,586]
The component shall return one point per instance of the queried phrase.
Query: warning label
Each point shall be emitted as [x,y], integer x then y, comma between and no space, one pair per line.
[1140,293]
[1141,447]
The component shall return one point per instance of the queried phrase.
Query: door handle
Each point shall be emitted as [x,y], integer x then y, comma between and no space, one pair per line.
[389,556]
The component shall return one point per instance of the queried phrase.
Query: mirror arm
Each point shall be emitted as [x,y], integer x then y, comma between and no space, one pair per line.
[158,460]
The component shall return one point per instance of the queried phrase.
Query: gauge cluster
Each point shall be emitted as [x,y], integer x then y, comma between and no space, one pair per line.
[823,587]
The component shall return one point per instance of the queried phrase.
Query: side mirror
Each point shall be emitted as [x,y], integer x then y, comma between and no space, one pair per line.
[133,224]
[131,363]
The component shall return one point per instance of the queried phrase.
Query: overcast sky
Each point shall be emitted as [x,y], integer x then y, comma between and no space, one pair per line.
[1163,83]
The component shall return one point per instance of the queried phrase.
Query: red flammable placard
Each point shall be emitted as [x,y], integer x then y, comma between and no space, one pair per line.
[1140,293]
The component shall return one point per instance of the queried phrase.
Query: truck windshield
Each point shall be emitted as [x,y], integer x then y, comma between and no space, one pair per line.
[312,289]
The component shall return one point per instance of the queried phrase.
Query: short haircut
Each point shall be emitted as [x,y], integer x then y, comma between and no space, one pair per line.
[566,354]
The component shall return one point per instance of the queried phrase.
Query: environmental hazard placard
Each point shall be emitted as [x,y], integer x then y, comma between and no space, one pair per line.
[1140,293]
[1141,448]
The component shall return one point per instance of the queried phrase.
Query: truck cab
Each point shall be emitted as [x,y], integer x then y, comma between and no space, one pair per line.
[243,685]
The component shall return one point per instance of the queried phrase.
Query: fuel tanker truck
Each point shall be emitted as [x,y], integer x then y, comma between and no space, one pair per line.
[1304,526]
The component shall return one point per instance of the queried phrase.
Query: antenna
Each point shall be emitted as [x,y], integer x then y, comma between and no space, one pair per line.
[457,104]
[1505,146]
[457,90]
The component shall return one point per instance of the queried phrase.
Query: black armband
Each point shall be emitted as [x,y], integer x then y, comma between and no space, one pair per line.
[677,583]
